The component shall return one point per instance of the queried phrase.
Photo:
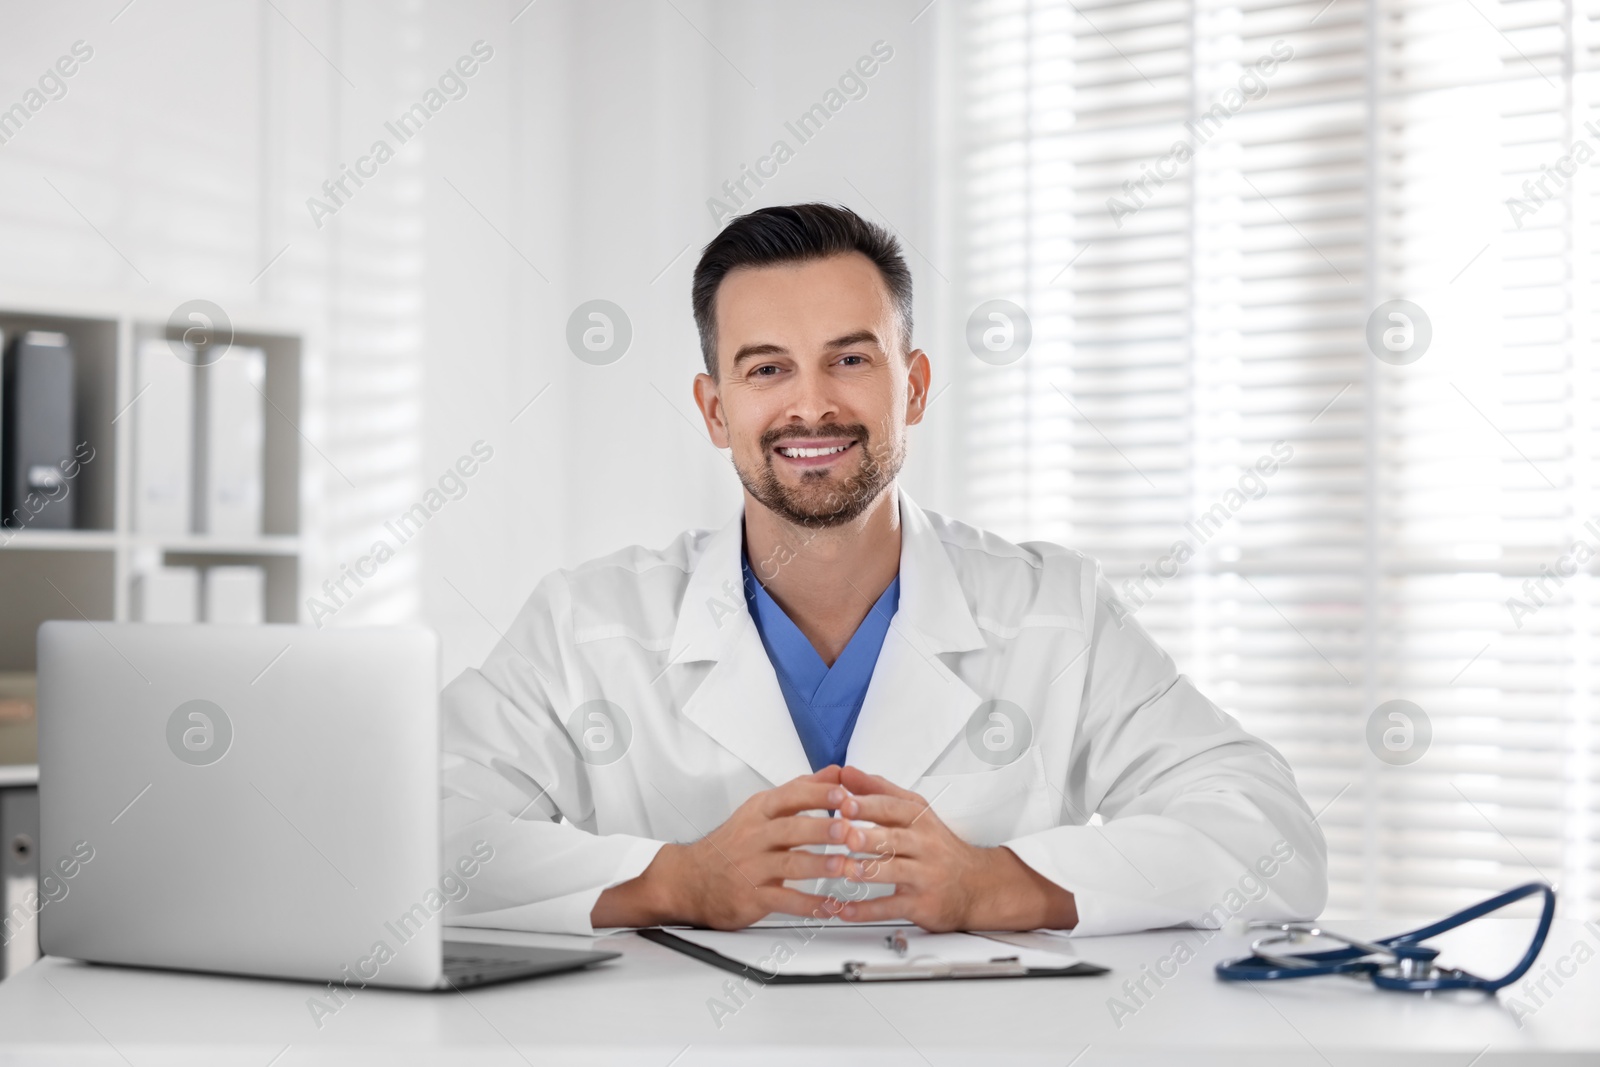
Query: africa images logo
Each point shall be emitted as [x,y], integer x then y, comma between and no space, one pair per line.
[999,732]
[601,731]
[199,732]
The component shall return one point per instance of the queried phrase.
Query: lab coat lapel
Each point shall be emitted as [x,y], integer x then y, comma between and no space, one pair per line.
[915,705]
[739,703]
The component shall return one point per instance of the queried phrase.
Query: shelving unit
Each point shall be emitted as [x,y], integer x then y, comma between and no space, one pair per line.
[88,572]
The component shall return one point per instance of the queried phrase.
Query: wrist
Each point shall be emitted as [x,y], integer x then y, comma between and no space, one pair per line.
[1025,899]
[666,890]
[652,898]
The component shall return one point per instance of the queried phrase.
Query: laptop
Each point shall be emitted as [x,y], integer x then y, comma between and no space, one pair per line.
[255,800]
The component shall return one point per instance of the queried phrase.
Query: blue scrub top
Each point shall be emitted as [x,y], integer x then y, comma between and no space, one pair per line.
[823,701]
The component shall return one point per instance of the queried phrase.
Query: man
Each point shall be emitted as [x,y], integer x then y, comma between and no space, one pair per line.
[840,704]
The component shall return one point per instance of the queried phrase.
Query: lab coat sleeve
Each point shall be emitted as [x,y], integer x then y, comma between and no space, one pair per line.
[511,770]
[1202,822]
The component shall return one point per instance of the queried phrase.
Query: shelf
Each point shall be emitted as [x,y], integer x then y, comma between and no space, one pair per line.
[108,540]
[58,540]
[204,544]
[89,572]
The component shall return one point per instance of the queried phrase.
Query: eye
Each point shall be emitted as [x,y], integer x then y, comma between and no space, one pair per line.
[763,370]
[860,359]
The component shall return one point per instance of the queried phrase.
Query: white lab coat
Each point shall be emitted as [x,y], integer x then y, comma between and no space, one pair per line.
[1198,815]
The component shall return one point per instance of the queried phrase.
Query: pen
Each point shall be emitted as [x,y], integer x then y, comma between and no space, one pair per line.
[898,942]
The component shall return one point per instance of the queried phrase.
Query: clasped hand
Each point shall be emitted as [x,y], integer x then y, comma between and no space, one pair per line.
[735,875]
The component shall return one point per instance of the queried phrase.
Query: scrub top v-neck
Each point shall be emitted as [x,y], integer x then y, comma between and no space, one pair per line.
[823,701]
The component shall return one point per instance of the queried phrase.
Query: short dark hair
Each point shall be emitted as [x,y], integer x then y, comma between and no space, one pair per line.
[794,233]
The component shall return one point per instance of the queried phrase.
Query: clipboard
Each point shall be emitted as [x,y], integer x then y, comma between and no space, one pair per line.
[1006,963]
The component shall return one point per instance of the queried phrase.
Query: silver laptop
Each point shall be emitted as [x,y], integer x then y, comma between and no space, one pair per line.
[259,800]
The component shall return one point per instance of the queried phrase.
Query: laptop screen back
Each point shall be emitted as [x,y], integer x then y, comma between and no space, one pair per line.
[249,799]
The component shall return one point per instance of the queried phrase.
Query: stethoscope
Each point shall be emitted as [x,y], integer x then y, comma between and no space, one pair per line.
[1398,962]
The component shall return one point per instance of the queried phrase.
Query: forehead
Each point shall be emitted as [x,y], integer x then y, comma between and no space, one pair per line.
[796,303]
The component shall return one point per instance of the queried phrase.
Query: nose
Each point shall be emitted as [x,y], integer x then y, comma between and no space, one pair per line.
[811,401]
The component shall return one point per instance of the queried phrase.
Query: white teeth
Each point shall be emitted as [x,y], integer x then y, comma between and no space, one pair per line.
[808,453]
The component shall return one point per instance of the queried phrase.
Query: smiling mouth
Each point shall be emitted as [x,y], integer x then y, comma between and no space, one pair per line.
[791,452]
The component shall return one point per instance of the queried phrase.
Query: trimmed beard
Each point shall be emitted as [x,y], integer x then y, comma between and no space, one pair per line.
[836,507]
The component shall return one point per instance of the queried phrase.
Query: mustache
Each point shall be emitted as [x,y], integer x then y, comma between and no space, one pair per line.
[773,438]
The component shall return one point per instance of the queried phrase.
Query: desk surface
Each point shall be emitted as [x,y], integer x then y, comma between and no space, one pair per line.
[654,1007]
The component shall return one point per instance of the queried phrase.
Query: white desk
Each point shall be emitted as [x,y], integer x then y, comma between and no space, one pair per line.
[650,1007]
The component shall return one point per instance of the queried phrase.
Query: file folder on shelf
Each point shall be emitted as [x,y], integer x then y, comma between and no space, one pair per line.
[36,431]
[234,594]
[163,439]
[166,594]
[229,468]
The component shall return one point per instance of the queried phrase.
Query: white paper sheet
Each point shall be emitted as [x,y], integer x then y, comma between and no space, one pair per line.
[802,950]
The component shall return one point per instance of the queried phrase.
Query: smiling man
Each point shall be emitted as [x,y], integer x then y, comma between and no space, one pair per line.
[840,704]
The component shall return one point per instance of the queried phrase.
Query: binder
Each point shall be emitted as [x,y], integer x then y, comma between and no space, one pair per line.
[166,594]
[37,398]
[228,464]
[234,594]
[163,440]
[1007,960]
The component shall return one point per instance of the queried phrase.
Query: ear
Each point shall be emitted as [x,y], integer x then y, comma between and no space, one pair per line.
[708,398]
[919,375]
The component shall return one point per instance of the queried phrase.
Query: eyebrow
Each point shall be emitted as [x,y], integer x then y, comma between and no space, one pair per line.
[769,349]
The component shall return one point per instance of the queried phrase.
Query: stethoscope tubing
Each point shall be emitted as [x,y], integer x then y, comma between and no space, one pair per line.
[1355,959]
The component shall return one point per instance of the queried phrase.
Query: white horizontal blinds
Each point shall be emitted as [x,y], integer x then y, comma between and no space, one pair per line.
[1482,476]
[1228,311]
[1582,861]
[1278,611]
[1016,459]
[1085,439]
[1205,325]
[371,263]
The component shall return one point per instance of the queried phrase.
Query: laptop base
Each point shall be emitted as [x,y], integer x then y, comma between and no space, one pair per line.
[468,964]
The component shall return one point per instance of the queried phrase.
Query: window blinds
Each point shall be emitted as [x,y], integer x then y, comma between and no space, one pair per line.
[1199,205]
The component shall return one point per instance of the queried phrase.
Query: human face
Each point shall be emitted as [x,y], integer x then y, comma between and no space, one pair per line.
[815,391]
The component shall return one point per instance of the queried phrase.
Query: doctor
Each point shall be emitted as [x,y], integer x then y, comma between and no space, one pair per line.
[933,712]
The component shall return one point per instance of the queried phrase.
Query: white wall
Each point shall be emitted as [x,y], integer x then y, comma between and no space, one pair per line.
[584,150]
[622,122]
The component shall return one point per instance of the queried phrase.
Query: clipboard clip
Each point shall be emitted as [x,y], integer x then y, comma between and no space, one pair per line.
[1007,967]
